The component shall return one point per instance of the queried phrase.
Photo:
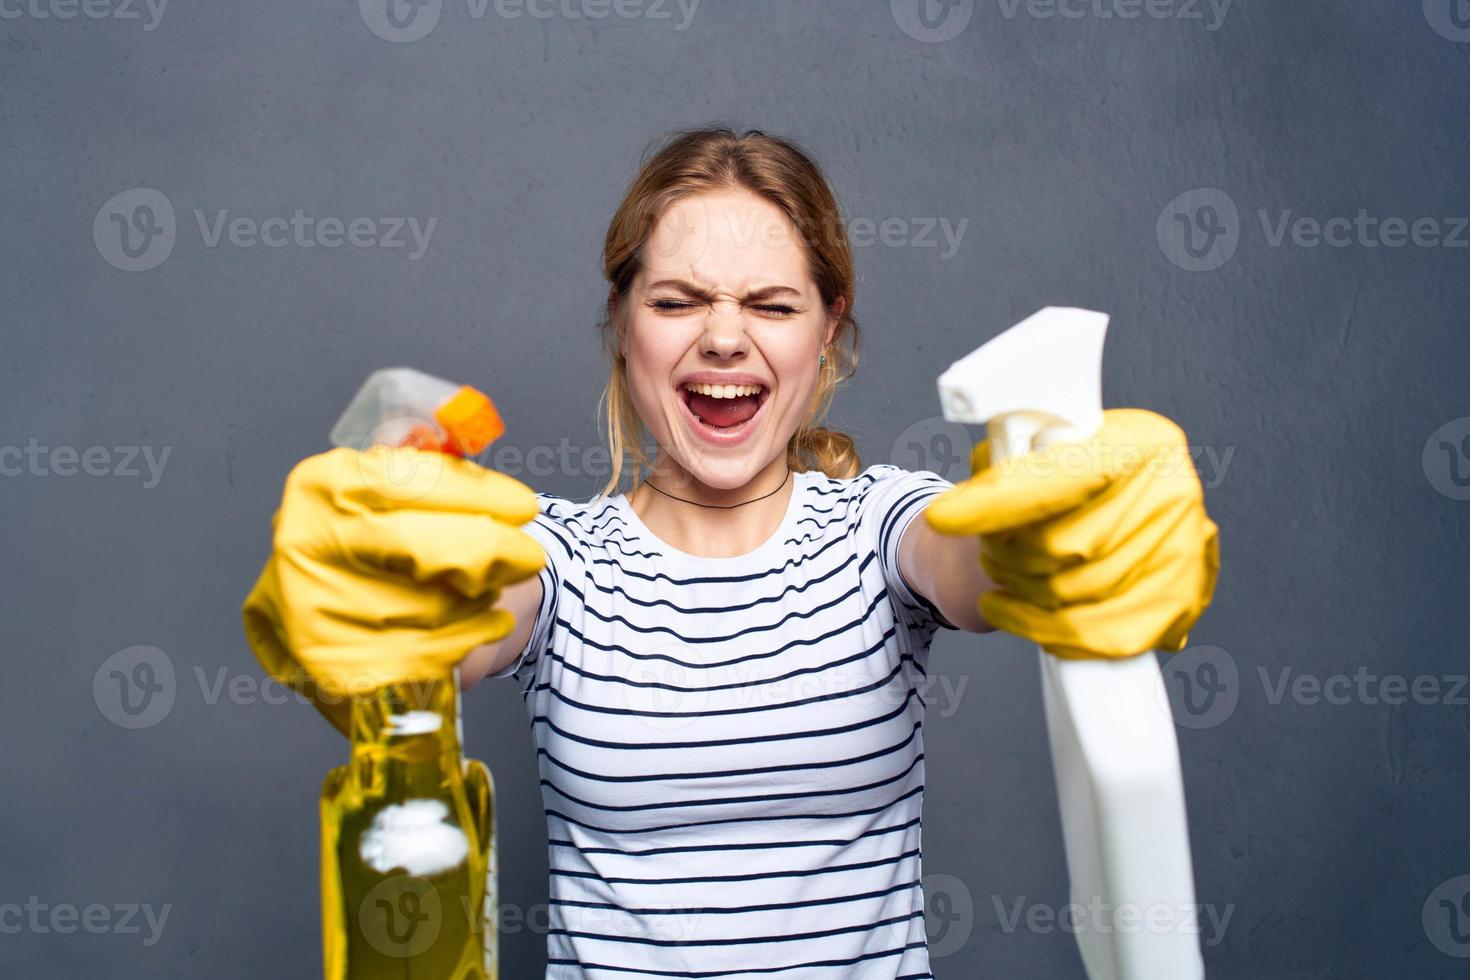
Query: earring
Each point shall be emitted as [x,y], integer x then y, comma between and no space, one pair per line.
[821,360]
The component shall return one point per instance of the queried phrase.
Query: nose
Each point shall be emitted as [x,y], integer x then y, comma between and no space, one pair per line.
[724,334]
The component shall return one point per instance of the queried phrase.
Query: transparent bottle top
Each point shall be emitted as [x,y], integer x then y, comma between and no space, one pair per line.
[391,404]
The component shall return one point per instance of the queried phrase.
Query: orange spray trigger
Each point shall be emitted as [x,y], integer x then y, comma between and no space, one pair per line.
[470,422]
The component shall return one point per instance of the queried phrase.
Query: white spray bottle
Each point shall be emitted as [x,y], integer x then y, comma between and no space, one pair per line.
[1113,745]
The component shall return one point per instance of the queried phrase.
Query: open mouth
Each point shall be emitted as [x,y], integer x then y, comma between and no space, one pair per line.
[722,409]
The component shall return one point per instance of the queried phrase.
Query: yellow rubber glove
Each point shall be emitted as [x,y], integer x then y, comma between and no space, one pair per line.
[385,567]
[1100,548]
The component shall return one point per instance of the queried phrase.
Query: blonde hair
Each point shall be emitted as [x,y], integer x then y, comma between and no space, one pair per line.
[695,161]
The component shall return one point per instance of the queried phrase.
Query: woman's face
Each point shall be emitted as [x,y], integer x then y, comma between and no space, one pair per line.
[724,298]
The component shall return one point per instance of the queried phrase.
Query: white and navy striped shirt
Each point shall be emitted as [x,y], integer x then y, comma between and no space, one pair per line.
[731,749]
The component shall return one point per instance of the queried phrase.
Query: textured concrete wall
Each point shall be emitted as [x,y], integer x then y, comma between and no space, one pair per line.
[1152,166]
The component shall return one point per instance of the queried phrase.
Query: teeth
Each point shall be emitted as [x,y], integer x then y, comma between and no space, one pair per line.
[723,391]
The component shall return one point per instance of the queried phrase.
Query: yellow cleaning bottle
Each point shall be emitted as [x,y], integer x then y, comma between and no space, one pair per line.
[408,825]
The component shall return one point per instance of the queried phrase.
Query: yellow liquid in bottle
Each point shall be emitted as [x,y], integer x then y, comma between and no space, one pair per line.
[408,844]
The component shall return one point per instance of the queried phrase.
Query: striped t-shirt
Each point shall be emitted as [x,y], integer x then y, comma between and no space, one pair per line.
[731,750]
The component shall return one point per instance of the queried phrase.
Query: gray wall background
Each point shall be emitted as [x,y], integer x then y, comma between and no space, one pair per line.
[1326,381]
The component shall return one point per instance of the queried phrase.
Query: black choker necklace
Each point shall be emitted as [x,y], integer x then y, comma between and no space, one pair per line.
[721,506]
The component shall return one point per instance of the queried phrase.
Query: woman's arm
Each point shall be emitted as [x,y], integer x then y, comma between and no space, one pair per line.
[945,569]
[522,600]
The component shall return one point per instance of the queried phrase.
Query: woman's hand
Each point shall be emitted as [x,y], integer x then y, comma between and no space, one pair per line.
[386,565]
[1100,548]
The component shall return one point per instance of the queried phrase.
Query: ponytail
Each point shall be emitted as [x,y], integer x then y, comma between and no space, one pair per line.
[834,453]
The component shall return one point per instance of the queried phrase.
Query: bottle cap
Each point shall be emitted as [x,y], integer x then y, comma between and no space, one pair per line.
[470,421]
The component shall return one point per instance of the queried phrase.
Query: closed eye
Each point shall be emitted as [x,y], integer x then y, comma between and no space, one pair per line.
[680,306]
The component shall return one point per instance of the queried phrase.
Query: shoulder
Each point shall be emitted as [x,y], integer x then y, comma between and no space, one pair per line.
[869,503]
[884,497]
[850,487]
[558,508]
[582,517]
[877,482]
[572,524]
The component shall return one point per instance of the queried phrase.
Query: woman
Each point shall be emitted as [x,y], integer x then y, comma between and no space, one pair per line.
[723,666]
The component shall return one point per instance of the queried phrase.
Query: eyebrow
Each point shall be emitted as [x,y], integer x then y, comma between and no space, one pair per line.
[755,296]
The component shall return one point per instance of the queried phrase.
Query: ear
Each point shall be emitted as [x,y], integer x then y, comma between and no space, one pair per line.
[834,317]
[617,321]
